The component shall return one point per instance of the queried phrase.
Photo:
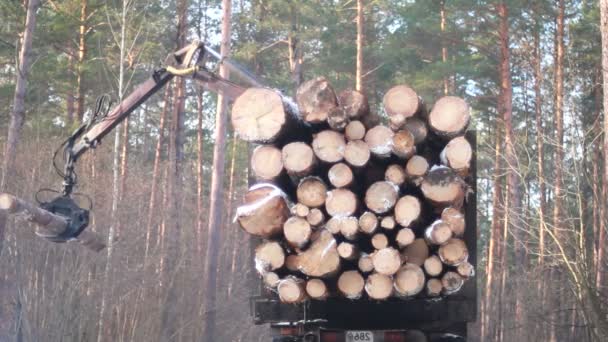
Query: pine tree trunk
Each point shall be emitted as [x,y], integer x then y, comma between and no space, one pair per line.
[82,53]
[360,44]
[603,213]
[199,172]
[444,48]
[216,195]
[69,97]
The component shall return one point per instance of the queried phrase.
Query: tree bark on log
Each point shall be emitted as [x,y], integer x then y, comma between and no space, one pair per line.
[418,129]
[416,252]
[354,104]
[442,187]
[316,99]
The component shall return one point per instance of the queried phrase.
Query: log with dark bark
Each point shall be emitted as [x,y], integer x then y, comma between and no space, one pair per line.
[466,270]
[329,146]
[264,211]
[315,217]
[454,252]
[442,187]
[312,192]
[266,162]
[297,232]
[354,104]
[316,289]
[321,259]
[298,159]
[416,252]
[416,168]
[379,286]
[341,202]
[340,175]
[380,141]
[404,144]
[409,280]
[355,130]
[348,251]
[395,174]
[449,117]
[438,233]
[400,103]
[381,197]
[451,282]
[351,284]
[337,119]
[418,129]
[368,222]
[316,98]
[407,210]
[386,261]
[457,154]
[292,290]
[455,219]
[433,266]
[357,153]
[269,256]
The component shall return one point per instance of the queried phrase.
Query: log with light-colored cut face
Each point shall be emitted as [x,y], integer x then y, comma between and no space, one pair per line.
[418,129]
[355,130]
[316,98]
[264,211]
[381,196]
[354,104]
[315,217]
[340,175]
[365,264]
[438,233]
[407,210]
[297,232]
[348,251]
[455,219]
[401,102]
[434,287]
[416,252]
[380,141]
[405,237]
[395,174]
[357,153]
[454,252]
[416,168]
[271,280]
[269,256]
[261,115]
[433,266]
[292,290]
[298,159]
[351,284]
[404,144]
[386,261]
[267,162]
[341,202]
[312,192]
[321,259]
[443,187]
[316,289]
[388,223]
[466,270]
[368,222]
[457,154]
[337,119]
[450,116]
[347,226]
[409,280]
[300,210]
[452,282]
[379,286]
[379,241]
[329,146]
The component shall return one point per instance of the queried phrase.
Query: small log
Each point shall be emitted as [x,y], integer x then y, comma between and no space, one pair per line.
[316,289]
[355,130]
[298,159]
[264,211]
[269,256]
[365,264]
[316,98]
[368,222]
[292,290]
[297,232]
[337,119]
[340,175]
[354,104]
[380,141]
[416,252]
[401,101]
[457,154]
[404,144]
[388,223]
[442,187]
[386,261]
[300,210]
[379,241]
[347,226]
[405,237]
[263,116]
[379,286]
[455,219]
[348,251]
[395,174]
[351,284]
[466,270]
[381,196]
[321,259]
[271,280]
[418,129]
[409,280]
[267,162]
[291,263]
[449,117]
[438,233]
[341,202]
[454,252]
[434,287]
[407,210]
[329,146]
[357,153]
[452,282]
[433,266]
[416,168]
[315,217]
[312,192]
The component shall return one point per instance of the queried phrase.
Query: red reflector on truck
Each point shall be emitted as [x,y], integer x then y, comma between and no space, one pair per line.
[331,336]
[289,331]
[394,336]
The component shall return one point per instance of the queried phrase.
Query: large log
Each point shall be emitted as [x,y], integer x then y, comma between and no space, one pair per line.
[404,144]
[297,232]
[316,98]
[449,117]
[354,104]
[329,146]
[312,192]
[443,188]
[386,261]
[409,280]
[351,284]
[321,259]
[340,175]
[457,154]
[341,202]
[48,224]
[292,290]
[454,252]
[407,210]
[266,162]
[355,130]
[381,197]
[438,233]
[379,286]
[400,103]
[298,159]
[316,289]
[269,256]
[264,211]
[357,153]
[380,141]
[416,168]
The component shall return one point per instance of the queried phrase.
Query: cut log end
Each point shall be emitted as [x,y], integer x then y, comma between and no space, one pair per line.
[443,188]
[340,175]
[434,287]
[348,251]
[395,174]
[404,144]
[407,210]
[341,202]
[316,289]
[351,284]
[458,154]
[297,232]
[266,162]
[466,270]
[379,241]
[259,115]
[368,222]
[355,130]
[388,223]
[454,252]
[386,261]
[405,237]
[455,219]
[321,259]
[312,192]
[433,266]
[381,197]
[357,153]
[438,233]
[379,286]
[292,290]
[416,168]
[401,101]
[269,256]
[380,141]
[316,98]
[365,264]
[347,226]
[329,146]
[264,211]
[450,116]
[452,282]
[300,210]
[315,217]
[271,280]
[409,280]
[298,159]
[354,104]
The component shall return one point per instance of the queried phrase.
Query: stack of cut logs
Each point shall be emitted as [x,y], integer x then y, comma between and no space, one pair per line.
[352,207]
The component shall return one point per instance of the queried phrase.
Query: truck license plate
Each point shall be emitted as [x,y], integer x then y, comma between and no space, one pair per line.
[359,336]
